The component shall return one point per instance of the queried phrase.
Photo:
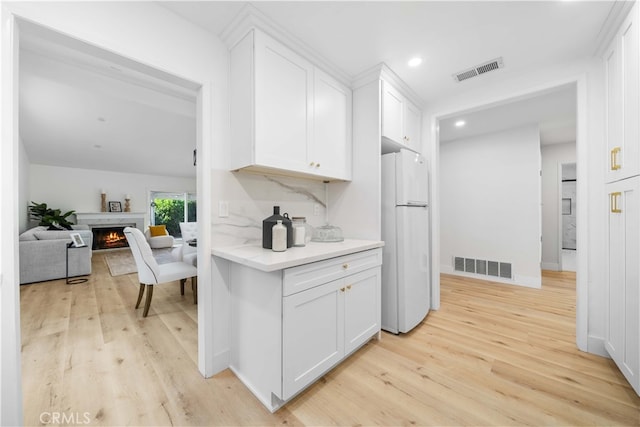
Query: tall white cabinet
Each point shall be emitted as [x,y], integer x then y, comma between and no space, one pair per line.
[622,71]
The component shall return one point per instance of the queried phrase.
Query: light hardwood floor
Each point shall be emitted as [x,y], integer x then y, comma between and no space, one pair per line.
[493,355]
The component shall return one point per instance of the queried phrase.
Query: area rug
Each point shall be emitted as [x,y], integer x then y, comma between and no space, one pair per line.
[122,262]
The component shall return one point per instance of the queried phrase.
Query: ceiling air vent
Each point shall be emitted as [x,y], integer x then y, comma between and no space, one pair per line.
[494,64]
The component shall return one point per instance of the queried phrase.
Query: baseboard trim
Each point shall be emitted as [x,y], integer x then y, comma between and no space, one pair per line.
[553,266]
[526,281]
[595,345]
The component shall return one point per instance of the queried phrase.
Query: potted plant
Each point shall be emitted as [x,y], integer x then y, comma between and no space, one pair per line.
[52,218]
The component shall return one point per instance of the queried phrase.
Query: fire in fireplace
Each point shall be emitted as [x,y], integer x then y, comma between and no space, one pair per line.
[109,238]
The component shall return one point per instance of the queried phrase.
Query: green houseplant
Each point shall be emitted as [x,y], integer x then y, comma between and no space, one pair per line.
[52,218]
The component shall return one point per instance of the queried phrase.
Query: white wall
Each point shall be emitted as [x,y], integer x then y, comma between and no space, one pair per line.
[79,189]
[490,201]
[589,75]
[552,157]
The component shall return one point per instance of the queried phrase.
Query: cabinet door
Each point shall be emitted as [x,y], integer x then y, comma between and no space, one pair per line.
[361,308]
[412,128]
[622,69]
[312,334]
[622,337]
[392,106]
[613,119]
[330,152]
[283,97]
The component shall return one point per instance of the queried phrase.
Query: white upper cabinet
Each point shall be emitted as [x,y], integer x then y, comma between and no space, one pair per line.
[392,106]
[400,118]
[283,105]
[330,151]
[622,68]
[286,114]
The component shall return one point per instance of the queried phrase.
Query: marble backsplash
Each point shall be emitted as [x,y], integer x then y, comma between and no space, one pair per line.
[251,198]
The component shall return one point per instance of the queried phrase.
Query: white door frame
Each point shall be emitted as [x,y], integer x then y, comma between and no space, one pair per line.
[10,344]
[582,281]
[11,407]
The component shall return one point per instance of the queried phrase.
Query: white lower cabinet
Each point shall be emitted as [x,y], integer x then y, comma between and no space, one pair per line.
[324,324]
[289,327]
[622,336]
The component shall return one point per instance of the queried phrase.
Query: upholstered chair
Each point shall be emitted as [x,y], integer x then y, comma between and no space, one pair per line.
[150,273]
[158,237]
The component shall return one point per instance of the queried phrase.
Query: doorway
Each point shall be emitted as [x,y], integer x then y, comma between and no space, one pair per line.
[202,173]
[581,189]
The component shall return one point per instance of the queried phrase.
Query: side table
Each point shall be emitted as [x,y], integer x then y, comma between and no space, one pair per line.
[70,245]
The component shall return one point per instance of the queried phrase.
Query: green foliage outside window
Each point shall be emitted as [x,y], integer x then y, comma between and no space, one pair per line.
[170,212]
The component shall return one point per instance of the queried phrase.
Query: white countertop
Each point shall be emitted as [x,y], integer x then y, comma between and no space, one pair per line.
[267,260]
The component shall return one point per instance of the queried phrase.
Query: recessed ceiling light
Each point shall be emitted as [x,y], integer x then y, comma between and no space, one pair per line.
[414,62]
[460,123]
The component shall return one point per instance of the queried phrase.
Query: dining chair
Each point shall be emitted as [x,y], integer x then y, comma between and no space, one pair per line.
[150,273]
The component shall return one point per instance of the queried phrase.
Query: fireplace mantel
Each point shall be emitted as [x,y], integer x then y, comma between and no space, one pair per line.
[99,219]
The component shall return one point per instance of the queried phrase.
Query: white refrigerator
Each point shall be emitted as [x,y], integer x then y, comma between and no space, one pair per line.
[406,290]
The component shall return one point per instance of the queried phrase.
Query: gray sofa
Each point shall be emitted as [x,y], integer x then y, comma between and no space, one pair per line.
[43,254]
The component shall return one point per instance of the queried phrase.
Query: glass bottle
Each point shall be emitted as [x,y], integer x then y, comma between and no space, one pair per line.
[300,232]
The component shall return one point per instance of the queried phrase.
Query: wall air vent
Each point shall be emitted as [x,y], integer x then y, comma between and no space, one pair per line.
[485,67]
[483,267]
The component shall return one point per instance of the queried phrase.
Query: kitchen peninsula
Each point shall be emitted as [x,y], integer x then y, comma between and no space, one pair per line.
[297,314]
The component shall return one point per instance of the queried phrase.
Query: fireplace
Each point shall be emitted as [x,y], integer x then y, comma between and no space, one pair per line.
[103,224]
[109,238]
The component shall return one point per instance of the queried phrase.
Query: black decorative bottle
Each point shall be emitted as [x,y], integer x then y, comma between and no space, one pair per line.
[267,228]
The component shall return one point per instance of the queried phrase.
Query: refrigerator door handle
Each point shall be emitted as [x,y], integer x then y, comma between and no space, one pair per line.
[412,203]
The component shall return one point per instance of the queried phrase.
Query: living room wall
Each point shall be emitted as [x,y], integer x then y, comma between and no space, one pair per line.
[79,189]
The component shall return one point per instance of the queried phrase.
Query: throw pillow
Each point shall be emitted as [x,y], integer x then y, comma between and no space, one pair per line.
[157,230]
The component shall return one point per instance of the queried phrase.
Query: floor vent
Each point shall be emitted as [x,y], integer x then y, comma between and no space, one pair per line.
[458,264]
[483,267]
[485,67]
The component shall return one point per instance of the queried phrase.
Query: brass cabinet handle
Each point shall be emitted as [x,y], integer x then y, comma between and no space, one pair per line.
[348,287]
[614,159]
[341,289]
[317,165]
[613,202]
[345,266]
[312,164]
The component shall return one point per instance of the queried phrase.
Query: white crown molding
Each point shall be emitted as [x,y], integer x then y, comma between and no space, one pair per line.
[617,14]
[250,17]
[382,71]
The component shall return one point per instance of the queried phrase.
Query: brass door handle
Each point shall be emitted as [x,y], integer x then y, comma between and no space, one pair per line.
[613,202]
[614,159]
